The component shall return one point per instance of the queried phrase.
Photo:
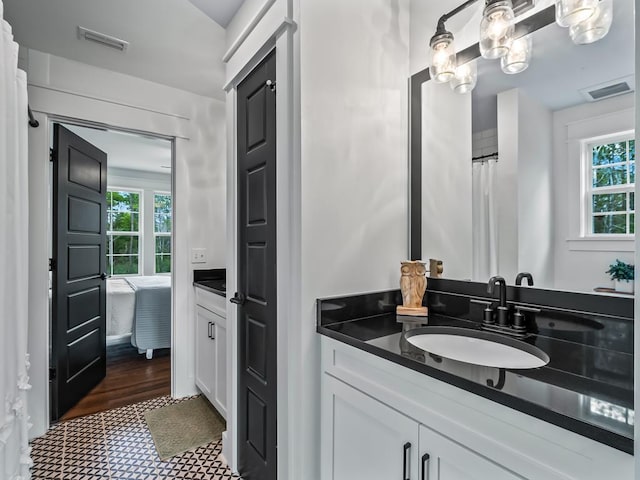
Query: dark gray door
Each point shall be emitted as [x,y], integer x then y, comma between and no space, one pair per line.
[78,334]
[257,273]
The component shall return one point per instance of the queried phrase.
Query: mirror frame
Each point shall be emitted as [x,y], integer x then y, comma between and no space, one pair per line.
[529,25]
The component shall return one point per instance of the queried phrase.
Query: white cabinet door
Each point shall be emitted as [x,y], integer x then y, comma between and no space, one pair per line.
[443,459]
[205,352]
[363,438]
[220,390]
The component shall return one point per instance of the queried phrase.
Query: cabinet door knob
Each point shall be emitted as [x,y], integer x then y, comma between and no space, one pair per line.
[425,466]
[406,458]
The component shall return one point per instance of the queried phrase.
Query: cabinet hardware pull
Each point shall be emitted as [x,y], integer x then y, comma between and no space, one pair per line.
[405,469]
[425,466]
[209,329]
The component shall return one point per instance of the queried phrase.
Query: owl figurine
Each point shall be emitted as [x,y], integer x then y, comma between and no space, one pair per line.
[413,284]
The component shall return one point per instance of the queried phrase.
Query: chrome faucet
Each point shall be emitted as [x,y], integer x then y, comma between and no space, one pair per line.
[521,276]
[503,309]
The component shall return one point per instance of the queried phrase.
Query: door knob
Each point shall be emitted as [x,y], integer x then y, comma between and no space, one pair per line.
[238,299]
[103,276]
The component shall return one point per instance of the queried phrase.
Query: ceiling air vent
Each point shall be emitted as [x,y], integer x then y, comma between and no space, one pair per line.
[102,39]
[610,89]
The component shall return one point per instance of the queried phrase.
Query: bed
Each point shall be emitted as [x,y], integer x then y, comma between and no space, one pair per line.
[140,308]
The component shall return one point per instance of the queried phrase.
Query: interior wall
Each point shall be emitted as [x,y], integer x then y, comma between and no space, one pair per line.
[241,19]
[354,66]
[150,183]
[580,264]
[62,87]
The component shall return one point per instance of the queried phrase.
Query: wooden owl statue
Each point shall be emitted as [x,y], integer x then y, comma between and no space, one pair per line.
[413,284]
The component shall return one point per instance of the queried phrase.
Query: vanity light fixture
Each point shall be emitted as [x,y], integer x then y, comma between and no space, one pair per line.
[465,78]
[519,56]
[595,27]
[572,12]
[496,28]
[443,56]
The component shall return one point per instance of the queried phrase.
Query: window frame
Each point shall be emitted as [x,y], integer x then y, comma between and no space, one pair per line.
[111,233]
[162,234]
[588,190]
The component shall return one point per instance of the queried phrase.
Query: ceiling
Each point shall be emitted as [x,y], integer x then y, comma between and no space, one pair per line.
[221,11]
[559,69]
[129,151]
[172,42]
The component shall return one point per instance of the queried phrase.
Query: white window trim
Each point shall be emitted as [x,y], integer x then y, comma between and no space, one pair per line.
[139,233]
[586,207]
[161,234]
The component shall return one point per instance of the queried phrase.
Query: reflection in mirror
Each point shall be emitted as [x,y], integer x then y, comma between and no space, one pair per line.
[535,172]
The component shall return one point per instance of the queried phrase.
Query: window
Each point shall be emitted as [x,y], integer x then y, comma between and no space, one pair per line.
[162,231]
[610,198]
[123,232]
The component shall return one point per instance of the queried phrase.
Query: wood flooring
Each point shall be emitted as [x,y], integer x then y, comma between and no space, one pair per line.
[131,378]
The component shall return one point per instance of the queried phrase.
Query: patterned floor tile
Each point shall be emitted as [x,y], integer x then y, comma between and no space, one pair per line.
[117,445]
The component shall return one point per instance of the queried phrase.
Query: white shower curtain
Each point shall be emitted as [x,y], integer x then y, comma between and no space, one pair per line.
[485,220]
[14,257]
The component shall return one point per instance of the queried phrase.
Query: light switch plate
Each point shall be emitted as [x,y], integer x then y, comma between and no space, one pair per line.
[198,255]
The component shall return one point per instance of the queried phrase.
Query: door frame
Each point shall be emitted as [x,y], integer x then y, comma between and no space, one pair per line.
[69,108]
[272,28]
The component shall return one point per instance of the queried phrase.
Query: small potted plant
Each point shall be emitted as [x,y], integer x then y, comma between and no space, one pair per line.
[622,275]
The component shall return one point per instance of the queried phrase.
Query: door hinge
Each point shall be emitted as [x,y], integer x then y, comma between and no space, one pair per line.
[271,85]
[52,264]
[52,155]
[52,374]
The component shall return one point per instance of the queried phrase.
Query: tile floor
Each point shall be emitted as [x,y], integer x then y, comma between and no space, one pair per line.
[117,445]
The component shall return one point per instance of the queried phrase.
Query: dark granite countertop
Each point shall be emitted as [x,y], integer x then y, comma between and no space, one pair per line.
[587,387]
[213,280]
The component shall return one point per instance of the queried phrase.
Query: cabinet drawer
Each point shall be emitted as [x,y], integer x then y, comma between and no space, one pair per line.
[211,301]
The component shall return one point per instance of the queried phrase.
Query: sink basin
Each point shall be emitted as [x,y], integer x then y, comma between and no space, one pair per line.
[477,347]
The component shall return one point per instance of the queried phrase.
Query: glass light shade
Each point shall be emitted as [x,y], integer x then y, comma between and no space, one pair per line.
[595,27]
[443,58]
[572,12]
[519,56]
[465,78]
[496,29]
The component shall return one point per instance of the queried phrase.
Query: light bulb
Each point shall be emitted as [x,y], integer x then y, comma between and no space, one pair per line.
[443,57]
[572,12]
[595,27]
[519,56]
[496,29]
[465,78]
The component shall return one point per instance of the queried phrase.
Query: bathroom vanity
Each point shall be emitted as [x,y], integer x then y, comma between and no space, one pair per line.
[391,410]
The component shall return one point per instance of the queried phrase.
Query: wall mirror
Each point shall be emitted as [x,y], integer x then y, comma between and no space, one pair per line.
[530,172]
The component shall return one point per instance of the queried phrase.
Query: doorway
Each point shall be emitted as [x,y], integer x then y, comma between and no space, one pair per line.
[129,316]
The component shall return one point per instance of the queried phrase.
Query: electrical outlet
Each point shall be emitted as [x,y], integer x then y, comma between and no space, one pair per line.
[198,255]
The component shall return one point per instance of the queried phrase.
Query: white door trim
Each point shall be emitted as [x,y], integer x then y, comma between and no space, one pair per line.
[279,33]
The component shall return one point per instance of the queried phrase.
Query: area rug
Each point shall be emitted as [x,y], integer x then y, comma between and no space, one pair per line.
[184,426]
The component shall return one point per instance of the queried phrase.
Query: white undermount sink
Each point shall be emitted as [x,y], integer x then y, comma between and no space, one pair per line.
[477,347]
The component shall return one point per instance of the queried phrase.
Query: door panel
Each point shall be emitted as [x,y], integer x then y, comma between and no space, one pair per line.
[257,274]
[78,334]
[448,460]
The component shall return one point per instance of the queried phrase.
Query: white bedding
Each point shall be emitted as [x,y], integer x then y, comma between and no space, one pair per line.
[121,302]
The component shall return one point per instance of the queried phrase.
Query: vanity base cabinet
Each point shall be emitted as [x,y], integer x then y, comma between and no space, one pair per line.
[370,440]
[372,408]
[211,349]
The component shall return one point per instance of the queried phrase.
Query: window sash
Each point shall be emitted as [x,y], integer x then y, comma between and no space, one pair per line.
[591,190]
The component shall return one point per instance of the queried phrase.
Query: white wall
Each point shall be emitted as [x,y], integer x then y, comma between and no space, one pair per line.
[446,179]
[580,264]
[354,66]
[525,218]
[149,183]
[61,87]
[241,19]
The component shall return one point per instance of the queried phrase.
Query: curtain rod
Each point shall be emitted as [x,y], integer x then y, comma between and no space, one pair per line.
[32,120]
[484,157]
